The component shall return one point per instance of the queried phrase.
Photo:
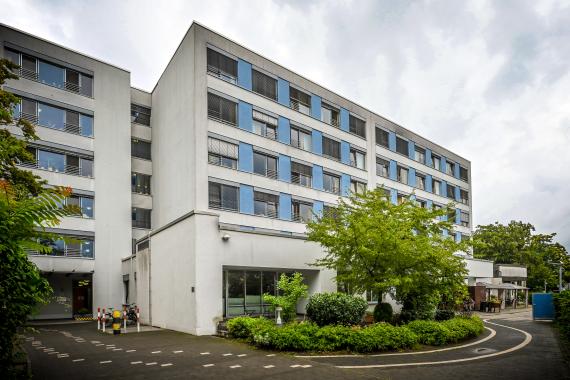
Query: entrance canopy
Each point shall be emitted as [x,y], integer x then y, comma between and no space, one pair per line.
[505,286]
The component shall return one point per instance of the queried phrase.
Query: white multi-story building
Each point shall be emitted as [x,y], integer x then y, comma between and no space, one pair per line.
[243,151]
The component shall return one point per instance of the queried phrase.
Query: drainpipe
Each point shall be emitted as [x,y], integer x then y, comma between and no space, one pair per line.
[149,281]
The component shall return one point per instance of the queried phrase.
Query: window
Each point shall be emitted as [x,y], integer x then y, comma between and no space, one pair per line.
[140,217]
[301,174]
[76,247]
[421,203]
[29,67]
[264,84]
[83,202]
[451,215]
[301,138]
[436,162]
[222,153]
[464,219]
[29,110]
[436,187]
[357,159]
[401,198]
[265,204]
[463,174]
[300,101]
[331,183]
[12,56]
[330,211]
[401,146]
[357,187]
[372,296]
[51,161]
[86,88]
[222,109]
[85,125]
[357,126]
[222,66]
[140,114]
[382,137]
[51,117]
[330,115]
[223,197]
[85,167]
[301,211]
[51,75]
[420,155]
[449,168]
[382,167]
[464,196]
[331,148]
[450,191]
[264,165]
[264,125]
[420,181]
[140,149]
[403,175]
[140,183]
[48,116]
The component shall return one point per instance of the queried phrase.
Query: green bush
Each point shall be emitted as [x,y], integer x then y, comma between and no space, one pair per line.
[463,328]
[383,312]
[430,332]
[382,337]
[245,327]
[562,312]
[336,309]
[333,338]
[444,315]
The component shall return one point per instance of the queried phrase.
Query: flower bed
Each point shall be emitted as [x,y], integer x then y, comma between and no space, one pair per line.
[307,336]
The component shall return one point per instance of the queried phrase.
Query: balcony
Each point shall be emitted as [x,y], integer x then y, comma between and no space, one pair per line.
[67,86]
[69,128]
[302,180]
[64,252]
[67,169]
[300,106]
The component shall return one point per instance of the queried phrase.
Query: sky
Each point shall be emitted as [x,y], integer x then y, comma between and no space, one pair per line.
[489,80]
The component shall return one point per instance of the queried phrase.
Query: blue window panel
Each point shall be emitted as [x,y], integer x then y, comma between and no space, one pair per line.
[393,170]
[51,117]
[284,130]
[429,203]
[318,207]
[51,75]
[442,165]
[316,106]
[456,170]
[284,168]
[429,183]
[317,142]
[345,152]
[283,92]
[457,193]
[317,177]
[394,196]
[244,74]
[86,125]
[344,185]
[245,116]
[392,141]
[87,207]
[51,161]
[412,177]
[285,206]
[16,109]
[411,150]
[344,120]
[412,197]
[443,189]
[445,233]
[245,161]
[245,199]
[458,237]
[429,161]
[457,216]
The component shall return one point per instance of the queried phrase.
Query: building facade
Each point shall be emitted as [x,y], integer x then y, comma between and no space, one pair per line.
[230,154]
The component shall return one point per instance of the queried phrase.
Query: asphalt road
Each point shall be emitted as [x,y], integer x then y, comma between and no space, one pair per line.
[71,351]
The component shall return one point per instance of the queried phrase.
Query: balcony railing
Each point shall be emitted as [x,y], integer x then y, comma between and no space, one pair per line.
[333,189]
[68,86]
[222,75]
[267,173]
[66,252]
[68,169]
[300,106]
[299,218]
[28,74]
[228,206]
[69,128]
[301,180]
[141,224]
[140,189]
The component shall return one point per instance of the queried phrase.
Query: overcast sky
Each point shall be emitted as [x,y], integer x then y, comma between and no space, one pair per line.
[490,80]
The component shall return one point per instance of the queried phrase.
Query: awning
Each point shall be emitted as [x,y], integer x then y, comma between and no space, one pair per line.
[501,286]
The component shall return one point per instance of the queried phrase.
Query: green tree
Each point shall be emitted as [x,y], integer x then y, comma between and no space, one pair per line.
[395,249]
[517,243]
[27,207]
[292,289]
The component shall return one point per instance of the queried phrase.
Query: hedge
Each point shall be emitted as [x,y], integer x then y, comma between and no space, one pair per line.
[336,309]
[308,336]
[562,312]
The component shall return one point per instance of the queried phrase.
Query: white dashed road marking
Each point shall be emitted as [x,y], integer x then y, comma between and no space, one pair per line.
[100,344]
[270,355]
[241,355]
[95,341]
[227,354]
[53,352]
[235,366]
[117,349]
[269,366]
[152,363]
[204,353]
[208,365]
[105,361]
[156,352]
[177,352]
[295,365]
[59,356]
[78,360]
[166,365]
[130,351]
[139,362]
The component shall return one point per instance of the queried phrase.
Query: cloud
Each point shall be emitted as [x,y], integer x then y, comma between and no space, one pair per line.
[489,80]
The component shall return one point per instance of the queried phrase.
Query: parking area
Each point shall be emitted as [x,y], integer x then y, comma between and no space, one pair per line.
[512,348]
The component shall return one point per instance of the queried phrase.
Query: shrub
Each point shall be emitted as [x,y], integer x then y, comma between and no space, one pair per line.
[293,336]
[245,327]
[462,328]
[383,312]
[336,309]
[381,337]
[430,332]
[444,315]
[562,312]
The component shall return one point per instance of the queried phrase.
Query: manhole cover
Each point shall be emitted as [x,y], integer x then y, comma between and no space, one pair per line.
[483,350]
